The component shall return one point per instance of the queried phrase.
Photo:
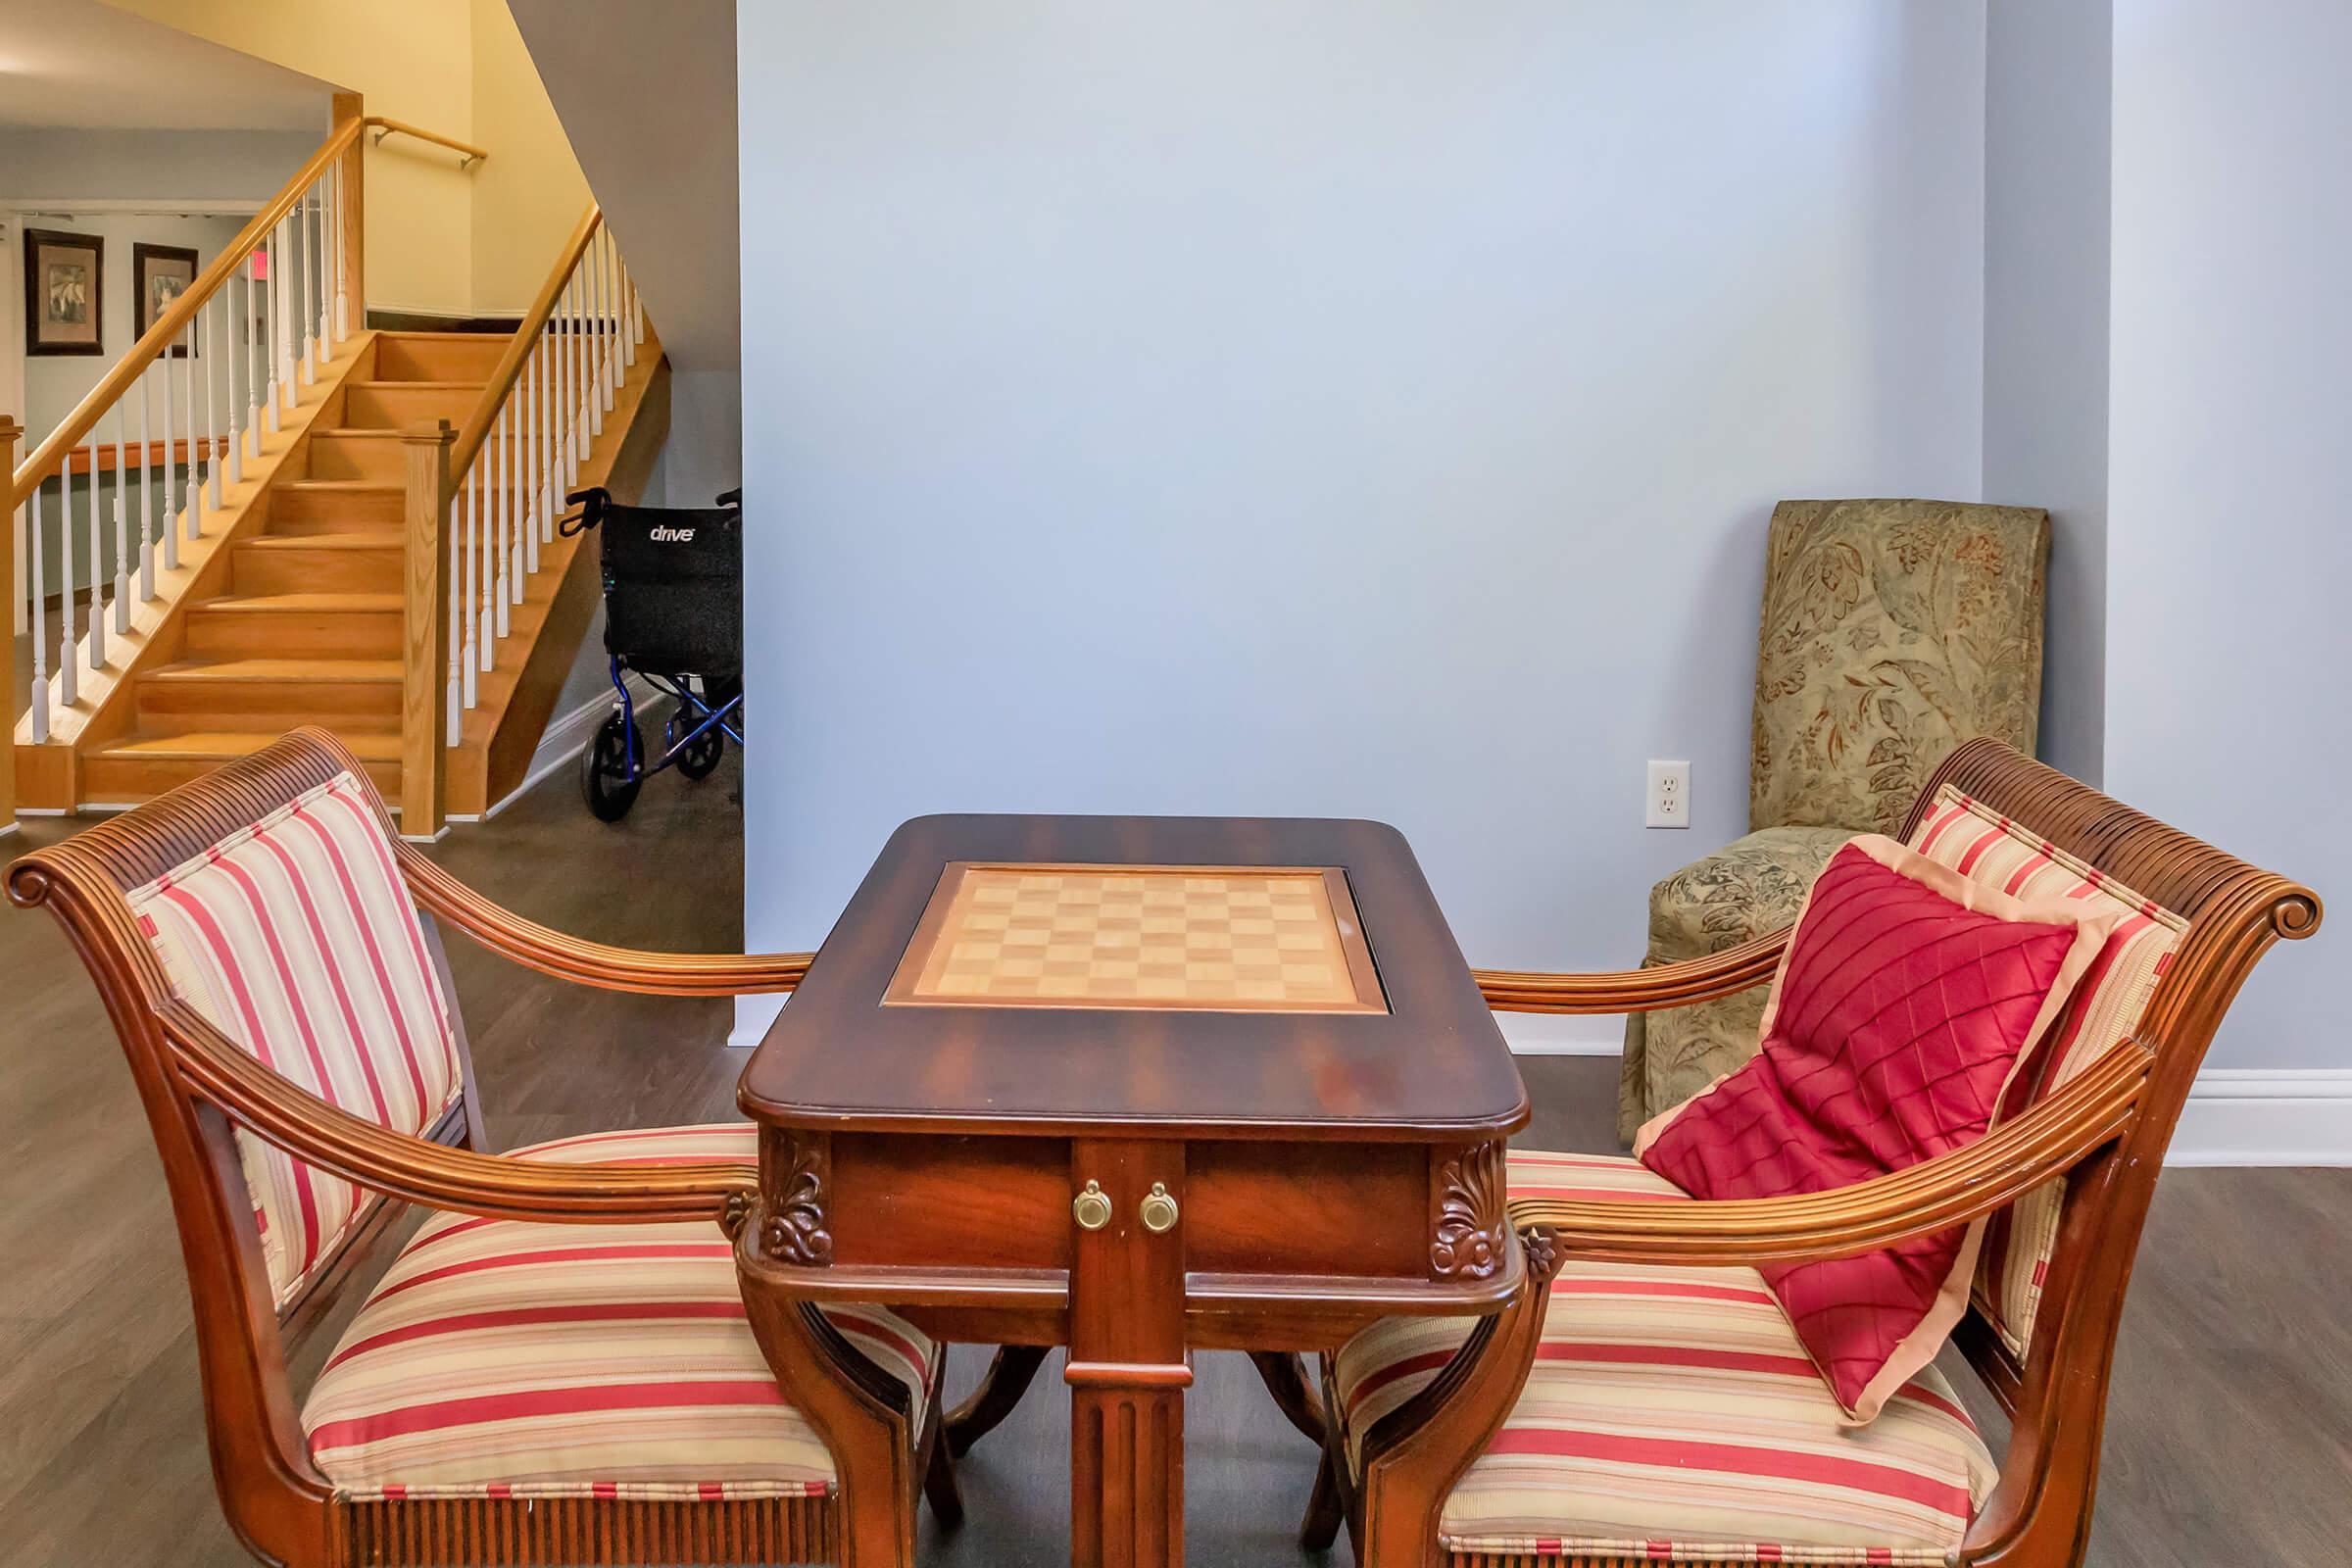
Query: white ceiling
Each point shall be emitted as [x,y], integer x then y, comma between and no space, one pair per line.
[647,96]
[86,66]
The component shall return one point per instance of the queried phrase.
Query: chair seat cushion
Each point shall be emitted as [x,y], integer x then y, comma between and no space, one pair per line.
[1672,1416]
[498,1358]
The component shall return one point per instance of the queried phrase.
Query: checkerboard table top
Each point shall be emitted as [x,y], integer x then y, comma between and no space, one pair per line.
[1239,939]
[1235,977]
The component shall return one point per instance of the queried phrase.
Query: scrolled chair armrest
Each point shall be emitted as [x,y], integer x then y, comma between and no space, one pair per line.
[2045,1142]
[1669,985]
[217,1070]
[594,964]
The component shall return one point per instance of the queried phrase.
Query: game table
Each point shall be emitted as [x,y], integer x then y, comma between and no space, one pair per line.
[1137,1086]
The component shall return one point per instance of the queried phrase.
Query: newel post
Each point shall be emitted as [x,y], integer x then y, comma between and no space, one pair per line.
[424,632]
[10,433]
[351,214]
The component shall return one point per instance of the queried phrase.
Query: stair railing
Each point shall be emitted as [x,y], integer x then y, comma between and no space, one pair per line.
[476,525]
[260,321]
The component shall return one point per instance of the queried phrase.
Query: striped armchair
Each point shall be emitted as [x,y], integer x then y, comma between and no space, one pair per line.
[1660,1408]
[556,1367]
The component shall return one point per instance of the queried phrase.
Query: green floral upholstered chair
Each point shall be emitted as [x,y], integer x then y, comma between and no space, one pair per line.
[1892,630]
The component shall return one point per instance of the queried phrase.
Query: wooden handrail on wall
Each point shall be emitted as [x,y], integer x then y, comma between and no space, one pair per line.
[470,155]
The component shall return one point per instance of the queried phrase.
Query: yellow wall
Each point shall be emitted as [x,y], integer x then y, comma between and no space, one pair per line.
[527,197]
[438,240]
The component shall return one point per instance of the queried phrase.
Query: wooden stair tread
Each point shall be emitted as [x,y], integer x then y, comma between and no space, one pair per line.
[323,671]
[445,386]
[304,603]
[349,539]
[346,486]
[369,746]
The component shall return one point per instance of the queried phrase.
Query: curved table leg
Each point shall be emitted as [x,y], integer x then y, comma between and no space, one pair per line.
[1414,1455]
[1001,1387]
[1286,1381]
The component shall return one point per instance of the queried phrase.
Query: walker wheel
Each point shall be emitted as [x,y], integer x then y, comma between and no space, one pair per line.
[607,779]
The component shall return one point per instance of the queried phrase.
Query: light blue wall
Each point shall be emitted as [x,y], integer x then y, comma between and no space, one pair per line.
[2049,87]
[1324,406]
[2230,445]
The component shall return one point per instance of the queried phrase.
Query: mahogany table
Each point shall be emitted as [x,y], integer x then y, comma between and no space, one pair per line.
[1133,1085]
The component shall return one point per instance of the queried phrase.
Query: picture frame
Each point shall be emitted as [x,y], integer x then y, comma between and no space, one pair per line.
[159,274]
[65,293]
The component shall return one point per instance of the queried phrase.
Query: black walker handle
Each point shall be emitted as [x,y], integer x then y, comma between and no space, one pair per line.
[592,504]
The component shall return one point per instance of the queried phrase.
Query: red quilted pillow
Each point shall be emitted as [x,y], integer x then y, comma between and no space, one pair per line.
[1905,1003]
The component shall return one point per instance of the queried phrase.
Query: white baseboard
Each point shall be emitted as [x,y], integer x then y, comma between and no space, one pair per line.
[2234,1116]
[567,736]
[1562,1034]
[2266,1116]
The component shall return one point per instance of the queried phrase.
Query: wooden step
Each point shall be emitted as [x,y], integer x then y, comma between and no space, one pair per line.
[359,561]
[438,356]
[141,765]
[345,453]
[397,404]
[271,693]
[336,505]
[335,625]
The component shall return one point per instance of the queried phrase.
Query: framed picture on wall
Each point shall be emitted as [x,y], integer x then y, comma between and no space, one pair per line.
[64,275]
[161,273]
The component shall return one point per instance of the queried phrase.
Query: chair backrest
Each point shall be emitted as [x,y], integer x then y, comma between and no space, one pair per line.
[1892,631]
[2048,1296]
[267,898]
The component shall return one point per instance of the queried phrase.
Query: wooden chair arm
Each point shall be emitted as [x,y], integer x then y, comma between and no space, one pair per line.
[1669,985]
[219,1070]
[2011,1161]
[593,963]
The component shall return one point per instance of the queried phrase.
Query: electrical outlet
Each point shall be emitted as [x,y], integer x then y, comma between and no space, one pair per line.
[1669,795]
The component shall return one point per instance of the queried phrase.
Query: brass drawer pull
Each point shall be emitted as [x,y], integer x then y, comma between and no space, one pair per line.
[1091,1209]
[1158,1210]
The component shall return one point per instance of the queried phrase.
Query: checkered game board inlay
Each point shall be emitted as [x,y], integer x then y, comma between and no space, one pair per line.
[1256,938]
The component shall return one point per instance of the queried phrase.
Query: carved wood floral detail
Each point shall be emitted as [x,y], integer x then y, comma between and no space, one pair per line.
[795,1229]
[1470,1225]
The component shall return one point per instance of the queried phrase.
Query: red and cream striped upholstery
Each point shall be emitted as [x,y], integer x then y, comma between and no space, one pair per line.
[1672,1416]
[498,1358]
[2109,999]
[296,937]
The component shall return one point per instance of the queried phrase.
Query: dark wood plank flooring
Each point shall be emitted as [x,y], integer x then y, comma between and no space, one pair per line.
[2229,1440]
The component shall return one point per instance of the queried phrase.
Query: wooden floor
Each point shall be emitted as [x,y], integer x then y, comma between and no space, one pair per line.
[2229,1440]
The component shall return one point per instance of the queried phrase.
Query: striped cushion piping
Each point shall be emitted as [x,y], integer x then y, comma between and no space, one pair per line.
[506,1360]
[1672,1416]
[296,937]
[2109,1002]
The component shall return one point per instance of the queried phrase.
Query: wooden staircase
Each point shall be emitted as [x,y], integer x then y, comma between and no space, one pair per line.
[301,621]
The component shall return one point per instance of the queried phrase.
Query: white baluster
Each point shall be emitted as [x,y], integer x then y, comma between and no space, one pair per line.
[460,673]
[229,393]
[517,514]
[97,633]
[195,486]
[257,381]
[326,266]
[485,576]
[170,469]
[67,657]
[611,323]
[342,270]
[620,368]
[282,392]
[212,416]
[304,367]
[471,490]
[501,491]
[146,493]
[530,504]
[628,317]
[122,518]
[636,315]
[596,347]
[550,503]
[38,697]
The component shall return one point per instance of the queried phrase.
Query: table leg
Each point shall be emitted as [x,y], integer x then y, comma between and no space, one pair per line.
[1000,1391]
[1127,1369]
